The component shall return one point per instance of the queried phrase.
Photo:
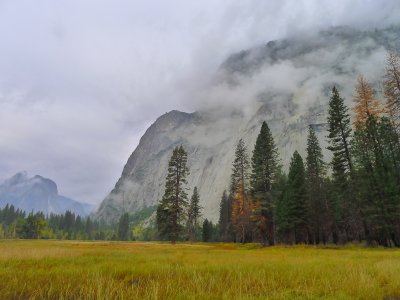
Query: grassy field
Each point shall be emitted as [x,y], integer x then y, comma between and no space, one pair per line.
[112,270]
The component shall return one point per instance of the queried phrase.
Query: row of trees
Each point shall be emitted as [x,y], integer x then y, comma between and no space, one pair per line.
[15,223]
[354,197]
[360,200]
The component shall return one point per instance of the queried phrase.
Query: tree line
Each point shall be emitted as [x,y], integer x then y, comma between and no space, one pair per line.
[354,197]
[15,223]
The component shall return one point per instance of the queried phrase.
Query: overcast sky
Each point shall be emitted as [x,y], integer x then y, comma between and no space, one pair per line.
[80,81]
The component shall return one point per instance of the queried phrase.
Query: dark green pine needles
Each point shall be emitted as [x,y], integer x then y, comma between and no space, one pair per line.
[171,212]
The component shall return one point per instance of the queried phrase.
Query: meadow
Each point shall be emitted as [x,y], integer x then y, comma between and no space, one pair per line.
[115,270]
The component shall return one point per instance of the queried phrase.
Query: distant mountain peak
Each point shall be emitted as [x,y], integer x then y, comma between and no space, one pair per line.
[17,178]
[38,193]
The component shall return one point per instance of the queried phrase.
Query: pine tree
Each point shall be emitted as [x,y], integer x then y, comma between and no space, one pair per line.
[339,137]
[281,207]
[240,168]
[296,200]
[365,102]
[207,230]
[391,143]
[378,179]
[89,228]
[123,227]
[264,167]
[194,213]
[239,192]
[316,197]
[342,169]
[391,87]
[69,222]
[225,213]
[171,211]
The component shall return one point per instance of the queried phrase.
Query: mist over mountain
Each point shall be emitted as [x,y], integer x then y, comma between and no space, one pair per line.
[38,194]
[284,82]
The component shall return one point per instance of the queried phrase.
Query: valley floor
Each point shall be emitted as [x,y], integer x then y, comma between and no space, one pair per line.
[116,270]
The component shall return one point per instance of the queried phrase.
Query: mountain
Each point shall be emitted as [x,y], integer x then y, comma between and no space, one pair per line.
[285,83]
[38,194]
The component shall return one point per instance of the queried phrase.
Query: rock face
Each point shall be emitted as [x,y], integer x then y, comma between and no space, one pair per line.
[38,194]
[285,83]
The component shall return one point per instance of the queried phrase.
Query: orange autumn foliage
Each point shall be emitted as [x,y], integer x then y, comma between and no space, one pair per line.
[244,214]
[366,103]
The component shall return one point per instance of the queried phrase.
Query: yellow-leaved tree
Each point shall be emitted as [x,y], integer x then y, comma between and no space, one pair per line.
[366,103]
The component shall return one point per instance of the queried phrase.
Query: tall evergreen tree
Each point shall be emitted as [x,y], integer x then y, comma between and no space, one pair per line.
[194,213]
[345,206]
[171,211]
[296,200]
[339,137]
[207,230]
[89,229]
[316,197]
[378,179]
[264,164]
[239,192]
[225,213]
[240,168]
[123,227]
[281,210]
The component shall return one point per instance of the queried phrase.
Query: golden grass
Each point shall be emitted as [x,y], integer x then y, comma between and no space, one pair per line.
[113,270]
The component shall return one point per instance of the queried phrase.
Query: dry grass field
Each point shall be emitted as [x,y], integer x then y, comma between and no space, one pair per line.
[116,270]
